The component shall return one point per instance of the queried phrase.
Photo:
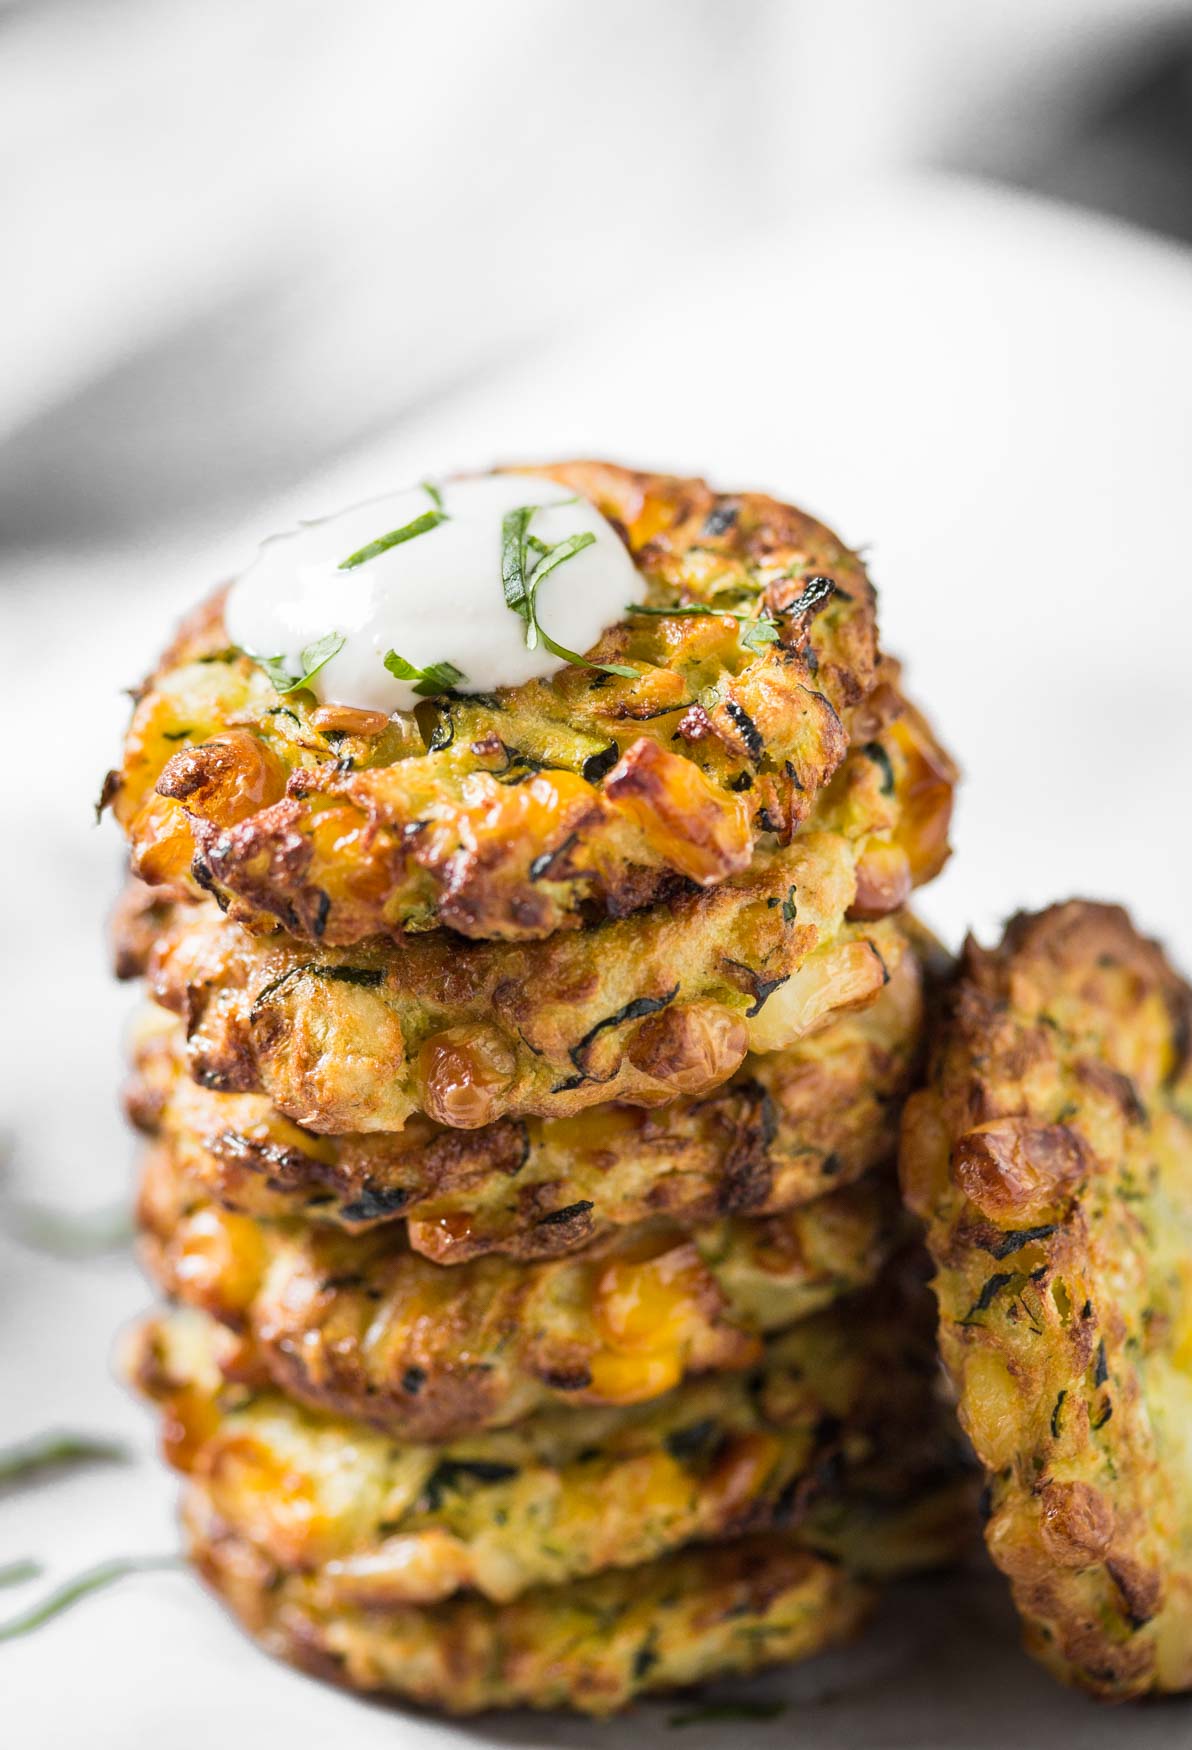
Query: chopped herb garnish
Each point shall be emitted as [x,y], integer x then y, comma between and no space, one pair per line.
[313,658]
[759,632]
[419,525]
[54,1451]
[436,677]
[692,611]
[93,1580]
[759,629]
[520,583]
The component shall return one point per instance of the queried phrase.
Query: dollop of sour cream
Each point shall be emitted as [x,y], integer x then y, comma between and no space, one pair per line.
[419,573]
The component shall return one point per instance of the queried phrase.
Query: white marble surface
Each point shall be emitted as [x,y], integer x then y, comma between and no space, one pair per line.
[996,398]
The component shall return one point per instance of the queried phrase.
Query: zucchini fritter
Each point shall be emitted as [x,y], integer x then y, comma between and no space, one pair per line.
[584,796]
[361,1325]
[1051,1157]
[642,1011]
[841,1404]
[592,1646]
[789,1126]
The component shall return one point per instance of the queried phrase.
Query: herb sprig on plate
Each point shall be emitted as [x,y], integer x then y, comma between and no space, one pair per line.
[522,576]
[71,1591]
[57,1451]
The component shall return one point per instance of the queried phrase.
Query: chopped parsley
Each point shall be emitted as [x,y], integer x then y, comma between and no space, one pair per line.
[419,525]
[436,677]
[521,577]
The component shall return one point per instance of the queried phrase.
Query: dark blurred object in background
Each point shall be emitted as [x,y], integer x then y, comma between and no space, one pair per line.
[1130,153]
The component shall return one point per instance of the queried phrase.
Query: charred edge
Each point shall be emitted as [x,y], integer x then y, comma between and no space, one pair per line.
[566,1379]
[645,1658]
[632,715]
[1135,1613]
[451,1472]
[720,519]
[873,750]
[751,735]
[1055,1414]
[322,908]
[200,874]
[793,776]
[988,1294]
[631,1012]
[762,988]
[742,781]
[370,977]
[109,790]
[597,765]
[443,733]
[1101,1420]
[557,1216]
[816,594]
[374,1203]
[873,949]
[1007,1243]
[541,866]
[1180,1009]
[766,821]
[696,1440]
[274,1157]
[271,990]
[519,766]
[413,1380]
[1101,1370]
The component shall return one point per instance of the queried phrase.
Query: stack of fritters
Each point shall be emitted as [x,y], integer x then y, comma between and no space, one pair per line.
[523,1081]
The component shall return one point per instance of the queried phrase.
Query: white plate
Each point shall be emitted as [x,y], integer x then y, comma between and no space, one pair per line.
[995,395]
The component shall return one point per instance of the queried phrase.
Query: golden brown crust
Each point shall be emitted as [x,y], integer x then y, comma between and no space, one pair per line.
[788,1127]
[558,802]
[1051,1156]
[363,1326]
[840,1406]
[642,1011]
[592,1646]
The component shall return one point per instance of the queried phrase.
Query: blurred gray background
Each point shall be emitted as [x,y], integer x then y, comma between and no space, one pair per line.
[241,236]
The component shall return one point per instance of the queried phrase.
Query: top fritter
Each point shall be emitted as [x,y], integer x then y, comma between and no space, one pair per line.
[707,717]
